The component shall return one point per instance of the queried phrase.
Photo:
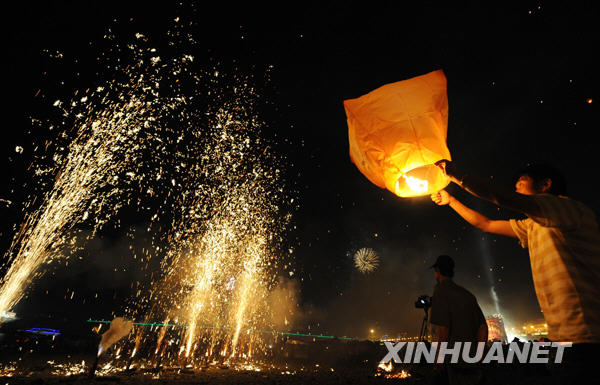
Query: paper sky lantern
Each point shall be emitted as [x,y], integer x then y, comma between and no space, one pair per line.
[398,131]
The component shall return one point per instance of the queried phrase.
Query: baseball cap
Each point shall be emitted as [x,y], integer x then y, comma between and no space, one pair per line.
[443,262]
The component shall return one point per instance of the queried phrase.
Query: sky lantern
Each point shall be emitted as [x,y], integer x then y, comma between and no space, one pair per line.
[398,131]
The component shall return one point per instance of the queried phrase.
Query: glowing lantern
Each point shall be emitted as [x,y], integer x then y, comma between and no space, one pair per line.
[397,132]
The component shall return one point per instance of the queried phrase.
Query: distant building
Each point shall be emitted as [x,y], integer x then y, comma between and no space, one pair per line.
[401,337]
[496,331]
[533,330]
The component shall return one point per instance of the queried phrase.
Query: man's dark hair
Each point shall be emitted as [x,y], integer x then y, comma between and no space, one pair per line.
[539,172]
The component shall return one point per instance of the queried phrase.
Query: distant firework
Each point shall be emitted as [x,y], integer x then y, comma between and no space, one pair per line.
[366,260]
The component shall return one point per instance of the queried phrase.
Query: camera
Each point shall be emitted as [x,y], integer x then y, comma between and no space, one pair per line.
[423,302]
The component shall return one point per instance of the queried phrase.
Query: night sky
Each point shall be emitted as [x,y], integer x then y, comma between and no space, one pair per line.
[522,87]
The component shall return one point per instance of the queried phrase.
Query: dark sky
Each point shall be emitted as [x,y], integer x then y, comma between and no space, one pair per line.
[519,80]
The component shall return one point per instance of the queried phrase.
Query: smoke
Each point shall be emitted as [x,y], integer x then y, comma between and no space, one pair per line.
[495,299]
[285,312]
[484,247]
[119,328]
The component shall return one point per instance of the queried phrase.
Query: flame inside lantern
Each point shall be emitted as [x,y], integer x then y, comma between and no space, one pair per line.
[416,185]
[419,181]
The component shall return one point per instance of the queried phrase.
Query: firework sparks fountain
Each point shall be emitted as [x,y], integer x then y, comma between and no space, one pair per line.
[218,270]
[107,132]
[86,181]
[195,146]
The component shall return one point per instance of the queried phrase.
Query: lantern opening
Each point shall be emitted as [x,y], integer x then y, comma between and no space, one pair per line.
[424,180]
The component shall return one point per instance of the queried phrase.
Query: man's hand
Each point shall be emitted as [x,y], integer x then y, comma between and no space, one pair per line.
[449,169]
[441,198]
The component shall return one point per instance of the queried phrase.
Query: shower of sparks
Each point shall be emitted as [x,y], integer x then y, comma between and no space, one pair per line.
[184,148]
[115,369]
[87,186]
[366,260]
[228,231]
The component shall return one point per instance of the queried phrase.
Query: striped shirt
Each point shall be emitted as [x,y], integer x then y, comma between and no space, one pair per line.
[564,250]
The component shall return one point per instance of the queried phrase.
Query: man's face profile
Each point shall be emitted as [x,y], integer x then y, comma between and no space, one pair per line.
[525,185]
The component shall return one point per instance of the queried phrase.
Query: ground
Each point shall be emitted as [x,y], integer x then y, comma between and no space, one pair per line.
[26,358]
[75,370]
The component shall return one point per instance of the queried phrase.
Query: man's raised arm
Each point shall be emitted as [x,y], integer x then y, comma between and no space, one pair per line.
[495,194]
[473,217]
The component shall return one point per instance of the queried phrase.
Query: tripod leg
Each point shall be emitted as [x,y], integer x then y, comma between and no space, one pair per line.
[425,323]
[423,332]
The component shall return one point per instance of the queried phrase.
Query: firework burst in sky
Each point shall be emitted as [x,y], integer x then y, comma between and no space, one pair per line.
[366,260]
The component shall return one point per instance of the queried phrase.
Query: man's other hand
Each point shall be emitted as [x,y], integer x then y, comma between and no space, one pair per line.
[449,169]
[441,198]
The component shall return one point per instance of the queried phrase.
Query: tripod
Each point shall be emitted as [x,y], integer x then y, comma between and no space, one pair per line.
[423,332]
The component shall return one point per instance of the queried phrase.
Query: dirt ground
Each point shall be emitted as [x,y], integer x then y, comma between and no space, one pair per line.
[56,373]
[44,361]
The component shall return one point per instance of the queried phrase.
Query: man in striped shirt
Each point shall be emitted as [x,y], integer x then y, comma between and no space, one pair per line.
[563,239]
